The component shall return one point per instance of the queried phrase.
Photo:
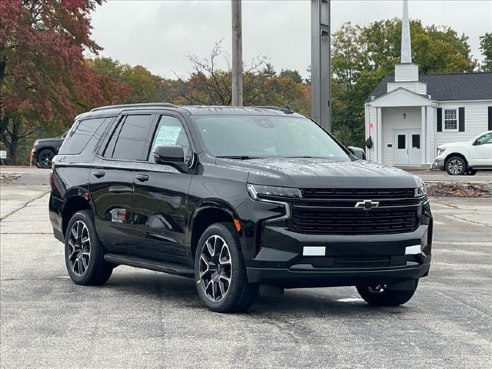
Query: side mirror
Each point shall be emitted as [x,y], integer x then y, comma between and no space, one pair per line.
[357,152]
[172,156]
[476,143]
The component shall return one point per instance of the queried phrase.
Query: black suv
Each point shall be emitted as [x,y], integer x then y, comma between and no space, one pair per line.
[44,150]
[235,198]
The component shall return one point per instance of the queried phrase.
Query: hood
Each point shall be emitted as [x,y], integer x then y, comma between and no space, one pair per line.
[454,144]
[322,173]
[48,141]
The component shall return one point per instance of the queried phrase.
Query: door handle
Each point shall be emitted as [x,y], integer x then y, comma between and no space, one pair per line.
[142,177]
[98,173]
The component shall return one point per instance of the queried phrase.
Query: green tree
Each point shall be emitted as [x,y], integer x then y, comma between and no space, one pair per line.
[292,74]
[486,49]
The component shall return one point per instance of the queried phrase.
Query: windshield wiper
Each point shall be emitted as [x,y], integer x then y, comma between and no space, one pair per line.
[239,157]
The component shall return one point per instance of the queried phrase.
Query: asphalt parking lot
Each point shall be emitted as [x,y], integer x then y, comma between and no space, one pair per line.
[144,319]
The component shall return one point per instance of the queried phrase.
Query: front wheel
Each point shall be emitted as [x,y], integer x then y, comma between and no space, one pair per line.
[456,166]
[220,273]
[381,295]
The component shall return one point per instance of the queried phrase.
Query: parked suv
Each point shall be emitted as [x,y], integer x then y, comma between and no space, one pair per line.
[235,198]
[44,150]
[461,158]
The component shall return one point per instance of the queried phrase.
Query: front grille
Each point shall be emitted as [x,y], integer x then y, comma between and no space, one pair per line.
[353,221]
[357,193]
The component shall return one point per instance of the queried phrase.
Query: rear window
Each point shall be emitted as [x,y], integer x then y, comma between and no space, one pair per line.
[81,133]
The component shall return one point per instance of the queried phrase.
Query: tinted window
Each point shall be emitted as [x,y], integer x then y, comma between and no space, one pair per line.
[170,131]
[80,134]
[132,139]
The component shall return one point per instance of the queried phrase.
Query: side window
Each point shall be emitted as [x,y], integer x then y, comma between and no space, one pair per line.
[132,139]
[485,139]
[170,131]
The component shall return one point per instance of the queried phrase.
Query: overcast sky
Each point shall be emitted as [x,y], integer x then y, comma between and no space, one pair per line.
[160,34]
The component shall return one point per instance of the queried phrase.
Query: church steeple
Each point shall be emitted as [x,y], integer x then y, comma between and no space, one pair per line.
[407,73]
[406,43]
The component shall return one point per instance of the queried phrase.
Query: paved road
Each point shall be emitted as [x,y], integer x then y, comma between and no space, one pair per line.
[143,319]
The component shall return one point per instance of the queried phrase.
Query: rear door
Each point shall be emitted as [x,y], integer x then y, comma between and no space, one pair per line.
[111,180]
[160,195]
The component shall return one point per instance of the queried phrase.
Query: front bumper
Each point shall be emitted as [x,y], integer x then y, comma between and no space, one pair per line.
[305,275]
[438,164]
[346,260]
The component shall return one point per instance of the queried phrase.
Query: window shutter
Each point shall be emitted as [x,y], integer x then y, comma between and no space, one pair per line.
[462,120]
[490,118]
[439,119]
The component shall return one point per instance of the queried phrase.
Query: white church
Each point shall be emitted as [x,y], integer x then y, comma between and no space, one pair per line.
[409,115]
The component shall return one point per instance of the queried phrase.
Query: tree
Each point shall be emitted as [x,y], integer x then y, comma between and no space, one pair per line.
[43,75]
[210,85]
[363,56]
[140,85]
[292,74]
[486,49]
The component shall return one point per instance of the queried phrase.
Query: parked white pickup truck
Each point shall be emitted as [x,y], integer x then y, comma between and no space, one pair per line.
[461,158]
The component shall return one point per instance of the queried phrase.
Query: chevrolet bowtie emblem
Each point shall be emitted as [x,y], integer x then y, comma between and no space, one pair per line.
[367,204]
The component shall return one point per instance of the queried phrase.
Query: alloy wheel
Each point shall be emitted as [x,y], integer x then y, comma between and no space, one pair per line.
[215,268]
[79,246]
[455,166]
[380,288]
[45,159]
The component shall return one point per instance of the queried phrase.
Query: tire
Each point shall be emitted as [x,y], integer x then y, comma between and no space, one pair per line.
[456,166]
[380,295]
[220,273]
[84,259]
[44,158]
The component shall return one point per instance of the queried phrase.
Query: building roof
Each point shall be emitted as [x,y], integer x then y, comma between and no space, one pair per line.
[449,87]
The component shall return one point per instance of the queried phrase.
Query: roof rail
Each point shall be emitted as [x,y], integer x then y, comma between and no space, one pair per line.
[142,105]
[286,109]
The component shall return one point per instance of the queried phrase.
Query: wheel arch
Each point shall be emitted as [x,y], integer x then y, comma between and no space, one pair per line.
[449,156]
[74,204]
[206,214]
[51,148]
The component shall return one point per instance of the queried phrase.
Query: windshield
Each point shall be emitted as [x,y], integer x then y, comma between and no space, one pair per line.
[246,137]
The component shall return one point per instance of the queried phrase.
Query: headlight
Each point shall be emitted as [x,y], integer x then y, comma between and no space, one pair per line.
[420,191]
[258,192]
[440,150]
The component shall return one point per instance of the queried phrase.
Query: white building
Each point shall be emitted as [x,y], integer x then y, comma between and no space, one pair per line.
[407,116]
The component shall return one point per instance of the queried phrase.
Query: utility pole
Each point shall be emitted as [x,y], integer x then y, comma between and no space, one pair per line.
[320,63]
[237,54]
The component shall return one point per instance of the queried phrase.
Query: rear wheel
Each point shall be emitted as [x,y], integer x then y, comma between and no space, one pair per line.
[456,166]
[84,255]
[220,273]
[381,295]
[44,158]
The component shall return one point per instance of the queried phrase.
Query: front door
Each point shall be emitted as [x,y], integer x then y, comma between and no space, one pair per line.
[159,200]
[408,148]
[481,151]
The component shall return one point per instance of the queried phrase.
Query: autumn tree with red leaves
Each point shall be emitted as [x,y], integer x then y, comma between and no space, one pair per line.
[43,74]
